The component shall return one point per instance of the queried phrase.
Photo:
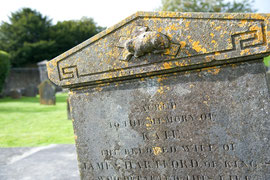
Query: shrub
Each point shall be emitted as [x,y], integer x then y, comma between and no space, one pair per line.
[4,68]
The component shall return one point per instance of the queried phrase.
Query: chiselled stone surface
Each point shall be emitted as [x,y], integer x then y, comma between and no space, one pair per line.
[47,93]
[196,109]
[212,124]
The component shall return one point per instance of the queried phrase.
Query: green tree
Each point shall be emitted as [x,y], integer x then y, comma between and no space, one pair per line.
[4,68]
[30,37]
[68,34]
[26,37]
[207,6]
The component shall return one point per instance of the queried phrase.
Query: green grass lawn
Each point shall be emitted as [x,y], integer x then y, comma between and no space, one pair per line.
[24,122]
[267,61]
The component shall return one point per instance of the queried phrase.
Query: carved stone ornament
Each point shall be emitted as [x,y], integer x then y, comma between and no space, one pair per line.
[146,42]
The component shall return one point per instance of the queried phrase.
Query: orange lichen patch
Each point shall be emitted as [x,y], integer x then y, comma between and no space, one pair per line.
[233,66]
[213,41]
[212,70]
[196,45]
[254,28]
[167,65]
[218,28]
[242,23]
[244,52]
[257,16]
[75,137]
[160,78]
[183,44]
[98,89]
[160,90]
[187,24]
[217,53]
[173,27]
[157,150]
[212,35]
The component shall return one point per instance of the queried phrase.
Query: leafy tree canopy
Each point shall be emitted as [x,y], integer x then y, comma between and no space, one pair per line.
[68,34]
[25,35]
[30,37]
[207,6]
[4,68]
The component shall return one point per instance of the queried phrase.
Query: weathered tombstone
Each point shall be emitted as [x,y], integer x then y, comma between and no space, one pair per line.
[30,91]
[15,93]
[47,93]
[171,96]
[43,74]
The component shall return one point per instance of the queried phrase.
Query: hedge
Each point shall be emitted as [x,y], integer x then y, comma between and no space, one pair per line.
[4,68]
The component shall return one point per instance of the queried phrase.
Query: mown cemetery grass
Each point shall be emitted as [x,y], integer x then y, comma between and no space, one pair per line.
[24,122]
[267,61]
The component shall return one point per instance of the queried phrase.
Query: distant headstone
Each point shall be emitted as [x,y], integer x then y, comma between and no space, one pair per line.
[47,93]
[43,70]
[171,96]
[30,91]
[15,93]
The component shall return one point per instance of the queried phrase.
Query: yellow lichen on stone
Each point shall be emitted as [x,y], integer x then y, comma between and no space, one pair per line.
[212,70]
[196,45]
[167,65]
[157,150]
[183,44]
[242,23]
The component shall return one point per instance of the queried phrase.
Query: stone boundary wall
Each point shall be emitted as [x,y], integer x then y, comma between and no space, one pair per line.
[21,78]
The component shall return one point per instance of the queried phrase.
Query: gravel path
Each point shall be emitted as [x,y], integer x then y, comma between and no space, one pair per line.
[54,162]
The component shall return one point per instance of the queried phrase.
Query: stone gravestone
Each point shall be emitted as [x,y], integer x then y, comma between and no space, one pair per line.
[171,96]
[43,74]
[47,93]
[31,91]
[15,93]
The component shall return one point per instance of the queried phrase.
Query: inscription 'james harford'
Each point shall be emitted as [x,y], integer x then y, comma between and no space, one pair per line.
[177,177]
[177,163]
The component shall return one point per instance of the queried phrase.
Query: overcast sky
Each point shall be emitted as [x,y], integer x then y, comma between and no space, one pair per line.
[105,12]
